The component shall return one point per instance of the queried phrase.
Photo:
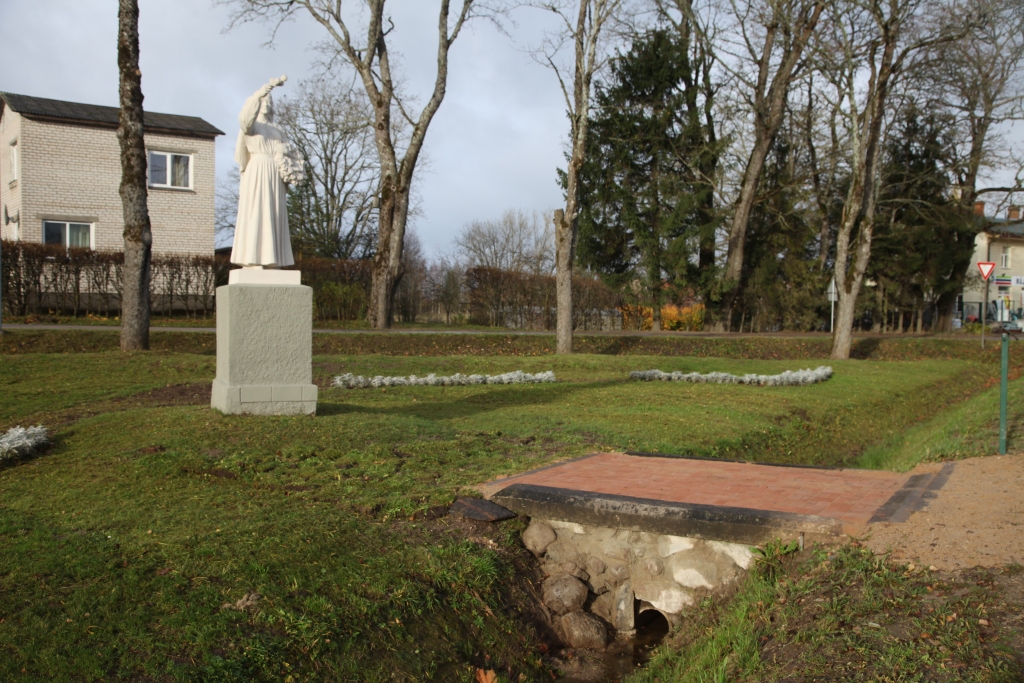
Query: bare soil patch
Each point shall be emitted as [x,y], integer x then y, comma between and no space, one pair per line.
[975,520]
[191,394]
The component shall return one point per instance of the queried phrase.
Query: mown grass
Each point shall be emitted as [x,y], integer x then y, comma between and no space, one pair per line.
[119,546]
[841,613]
[965,430]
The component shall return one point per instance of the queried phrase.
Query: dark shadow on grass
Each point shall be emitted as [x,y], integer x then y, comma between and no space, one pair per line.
[615,346]
[496,398]
[865,348]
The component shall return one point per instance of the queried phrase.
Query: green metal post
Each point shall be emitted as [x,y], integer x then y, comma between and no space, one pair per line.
[1002,393]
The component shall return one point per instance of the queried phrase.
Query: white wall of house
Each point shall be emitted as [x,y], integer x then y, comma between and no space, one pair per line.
[1008,254]
[10,186]
[71,172]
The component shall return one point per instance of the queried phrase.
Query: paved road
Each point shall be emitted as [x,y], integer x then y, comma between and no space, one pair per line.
[504,332]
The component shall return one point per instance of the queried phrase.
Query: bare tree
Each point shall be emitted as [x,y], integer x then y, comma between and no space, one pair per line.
[773,37]
[824,145]
[331,212]
[515,242]
[445,281]
[138,238]
[225,207]
[583,30]
[872,43]
[980,79]
[409,292]
[372,62]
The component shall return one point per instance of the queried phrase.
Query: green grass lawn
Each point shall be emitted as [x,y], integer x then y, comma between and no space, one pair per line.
[843,614]
[120,544]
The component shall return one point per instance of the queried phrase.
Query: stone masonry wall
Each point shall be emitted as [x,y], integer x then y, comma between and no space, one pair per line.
[599,577]
[73,172]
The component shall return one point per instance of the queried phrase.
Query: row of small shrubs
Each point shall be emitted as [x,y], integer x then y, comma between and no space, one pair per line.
[44,278]
[677,318]
[513,299]
[40,278]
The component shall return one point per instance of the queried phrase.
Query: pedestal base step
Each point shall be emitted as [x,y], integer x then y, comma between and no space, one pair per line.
[270,399]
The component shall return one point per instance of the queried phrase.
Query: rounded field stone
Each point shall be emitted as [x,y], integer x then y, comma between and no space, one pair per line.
[654,566]
[582,630]
[596,565]
[537,537]
[564,593]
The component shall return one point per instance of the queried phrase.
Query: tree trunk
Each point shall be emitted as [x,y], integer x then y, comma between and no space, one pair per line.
[563,283]
[656,305]
[387,261]
[885,314]
[740,221]
[565,224]
[138,238]
[945,308]
[769,110]
[859,210]
[878,319]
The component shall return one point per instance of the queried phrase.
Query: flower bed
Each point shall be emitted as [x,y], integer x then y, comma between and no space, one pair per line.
[789,378]
[19,442]
[350,381]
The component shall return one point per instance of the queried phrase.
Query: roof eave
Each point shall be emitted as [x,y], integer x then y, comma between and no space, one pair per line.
[113,126]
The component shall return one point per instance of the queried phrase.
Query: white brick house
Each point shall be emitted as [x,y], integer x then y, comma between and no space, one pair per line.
[60,171]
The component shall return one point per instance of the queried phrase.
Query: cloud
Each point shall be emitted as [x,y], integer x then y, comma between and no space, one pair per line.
[494,144]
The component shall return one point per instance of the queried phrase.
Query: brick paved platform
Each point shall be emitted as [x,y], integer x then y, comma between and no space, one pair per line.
[850,497]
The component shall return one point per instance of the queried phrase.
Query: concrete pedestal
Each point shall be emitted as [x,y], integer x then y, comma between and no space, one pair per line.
[264,350]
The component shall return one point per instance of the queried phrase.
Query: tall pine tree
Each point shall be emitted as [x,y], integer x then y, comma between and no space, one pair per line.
[923,240]
[646,189]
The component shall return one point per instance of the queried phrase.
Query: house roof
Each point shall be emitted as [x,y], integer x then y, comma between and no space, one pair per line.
[106,117]
[1006,227]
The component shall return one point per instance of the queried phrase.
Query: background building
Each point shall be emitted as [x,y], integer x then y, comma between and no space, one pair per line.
[60,170]
[1001,241]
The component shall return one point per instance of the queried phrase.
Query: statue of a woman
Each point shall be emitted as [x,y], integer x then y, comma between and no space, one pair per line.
[267,161]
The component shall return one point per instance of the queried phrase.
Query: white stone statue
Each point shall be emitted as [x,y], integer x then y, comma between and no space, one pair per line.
[267,161]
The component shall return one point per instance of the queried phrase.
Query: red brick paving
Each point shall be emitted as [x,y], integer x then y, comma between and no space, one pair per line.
[851,496]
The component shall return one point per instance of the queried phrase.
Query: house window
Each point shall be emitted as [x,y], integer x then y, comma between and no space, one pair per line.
[170,170]
[14,160]
[67,233]
[1005,258]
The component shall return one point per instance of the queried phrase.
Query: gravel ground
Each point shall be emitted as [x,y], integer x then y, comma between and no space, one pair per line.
[976,520]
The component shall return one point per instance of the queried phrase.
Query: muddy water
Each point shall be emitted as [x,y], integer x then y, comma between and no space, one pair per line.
[625,656]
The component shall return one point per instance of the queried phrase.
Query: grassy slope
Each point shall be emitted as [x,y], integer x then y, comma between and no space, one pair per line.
[844,614]
[968,429]
[427,344]
[742,635]
[148,518]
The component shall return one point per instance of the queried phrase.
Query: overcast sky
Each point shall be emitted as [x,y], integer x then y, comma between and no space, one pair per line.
[494,144]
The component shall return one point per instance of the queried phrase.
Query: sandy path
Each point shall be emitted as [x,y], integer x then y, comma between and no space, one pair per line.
[976,520]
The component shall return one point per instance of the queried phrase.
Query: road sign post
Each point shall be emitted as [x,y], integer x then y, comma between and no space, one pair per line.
[986,268]
[833,296]
[1003,382]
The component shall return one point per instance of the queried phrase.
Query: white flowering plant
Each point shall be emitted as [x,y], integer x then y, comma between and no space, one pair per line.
[789,378]
[350,381]
[20,442]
